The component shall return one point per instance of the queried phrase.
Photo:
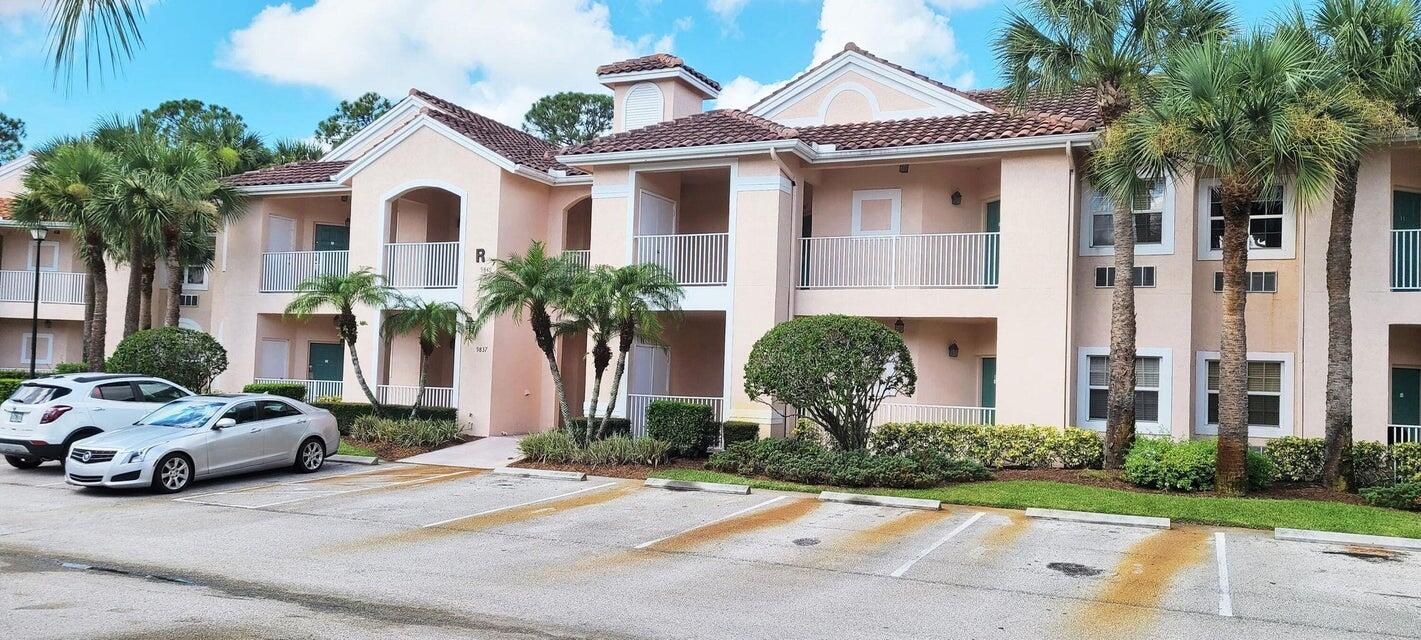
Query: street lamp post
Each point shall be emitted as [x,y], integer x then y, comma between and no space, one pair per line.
[38,233]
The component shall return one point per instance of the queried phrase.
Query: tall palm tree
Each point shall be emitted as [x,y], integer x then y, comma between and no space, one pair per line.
[1113,47]
[63,185]
[539,285]
[102,30]
[431,322]
[1253,110]
[590,310]
[636,294]
[287,150]
[1376,45]
[343,293]
[136,199]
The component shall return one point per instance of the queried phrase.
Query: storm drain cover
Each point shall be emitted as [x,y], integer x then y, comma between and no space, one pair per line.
[1073,570]
[806,542]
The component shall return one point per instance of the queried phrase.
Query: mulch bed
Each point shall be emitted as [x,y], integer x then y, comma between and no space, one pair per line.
[1112,480]
[389,451]
[633,471]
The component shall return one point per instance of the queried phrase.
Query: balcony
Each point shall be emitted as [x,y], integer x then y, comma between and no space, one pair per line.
[580,258]
[406,394]
[314,388]
[898,412]
[422,265]
[1406,260]
[940,260]
[693,259]
[282,271]
[54,286]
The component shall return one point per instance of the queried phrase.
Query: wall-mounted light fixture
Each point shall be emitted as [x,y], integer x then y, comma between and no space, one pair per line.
[956,197]
[902,168]
[952,350]
[898,325]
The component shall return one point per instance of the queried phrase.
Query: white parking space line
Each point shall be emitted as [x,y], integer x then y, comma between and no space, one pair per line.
[515,506]
[271,485]
[347,491]
[898,573]
[1226,604]
[309,495]
[707,524]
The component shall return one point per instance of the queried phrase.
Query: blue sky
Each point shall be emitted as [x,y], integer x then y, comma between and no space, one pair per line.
[284,66]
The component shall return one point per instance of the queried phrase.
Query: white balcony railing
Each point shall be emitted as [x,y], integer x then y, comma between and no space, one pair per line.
[422,265]
[1406,259]
[54,286]
[581,258]
[1400,433]
[942,260]
[405,395]
[692,258]
[283,270]
[902,412]
[314,388]
[638,402]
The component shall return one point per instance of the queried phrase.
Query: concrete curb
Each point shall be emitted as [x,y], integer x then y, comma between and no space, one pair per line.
[1332,537]
[353,459]
[687,485]
[545,474]
[1098,518]
[881,501]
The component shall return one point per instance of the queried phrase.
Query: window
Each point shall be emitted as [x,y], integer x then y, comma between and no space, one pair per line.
[244,412]
[44,348]
[1271,226]
[195,278]
[48,256]
[1148,209]
[1257,282]
[1269,387]
[117,392]
[1147,388]
[187,300]
[277,409]
[1265,393]
[1105,277]
[159,392]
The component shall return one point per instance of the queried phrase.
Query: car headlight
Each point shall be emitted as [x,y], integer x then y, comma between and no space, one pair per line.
[136,456]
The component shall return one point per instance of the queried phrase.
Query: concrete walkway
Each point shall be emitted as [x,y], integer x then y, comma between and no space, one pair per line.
[484,453]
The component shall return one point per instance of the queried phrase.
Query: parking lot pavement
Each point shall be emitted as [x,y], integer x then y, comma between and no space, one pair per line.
[426,551]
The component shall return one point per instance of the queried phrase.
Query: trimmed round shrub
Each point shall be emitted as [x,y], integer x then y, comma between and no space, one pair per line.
[190,358]
[1297,459]
[689,428]
[740,431]
[293,390]
[1407,458]
[1161,463]
[1402,495]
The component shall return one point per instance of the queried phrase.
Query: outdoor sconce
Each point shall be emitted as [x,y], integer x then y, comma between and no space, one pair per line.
[956,197]
[902,168]
[898,325]
[952,350]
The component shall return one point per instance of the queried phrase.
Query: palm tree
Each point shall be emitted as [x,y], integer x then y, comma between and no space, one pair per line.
[285,151]
[590,310]
[636,293]
[104,30]
[1254,111]
[431,321]
[539,285]
[343,293]
[62,186]
[1113,47]
[1376,45]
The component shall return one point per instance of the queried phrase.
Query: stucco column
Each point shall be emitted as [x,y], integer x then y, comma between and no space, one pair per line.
[610,242]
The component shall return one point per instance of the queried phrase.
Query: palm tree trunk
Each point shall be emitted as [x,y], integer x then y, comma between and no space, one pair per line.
[348,329]
[623,349]
[1336,469]
[98,323]
[174,263]
[542,325]
[1229,472]
[88,311]
[360,375]
[1120,402]
[145,306]
[601,357]
[135,293]
[423,378]
[558,387]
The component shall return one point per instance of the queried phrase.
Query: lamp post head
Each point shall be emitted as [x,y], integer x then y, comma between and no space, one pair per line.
[39,233]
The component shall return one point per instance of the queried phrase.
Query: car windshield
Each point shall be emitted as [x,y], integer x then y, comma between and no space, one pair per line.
[30,393]
[185,414]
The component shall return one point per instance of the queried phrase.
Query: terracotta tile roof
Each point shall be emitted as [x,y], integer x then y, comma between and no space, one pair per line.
[721,126]
[1079,104]
[518,146]
[303,172]
[939,130]
[654,62]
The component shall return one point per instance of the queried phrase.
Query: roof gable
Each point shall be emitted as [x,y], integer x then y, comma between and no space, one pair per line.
[857,77]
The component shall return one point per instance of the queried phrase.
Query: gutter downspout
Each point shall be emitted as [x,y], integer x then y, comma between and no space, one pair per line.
[1070,282]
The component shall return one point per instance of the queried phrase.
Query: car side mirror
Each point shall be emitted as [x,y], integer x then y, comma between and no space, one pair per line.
[224,423]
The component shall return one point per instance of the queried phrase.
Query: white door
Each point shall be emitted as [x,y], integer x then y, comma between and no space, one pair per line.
[280,234]
[651,370]
[275,359]
[658,215]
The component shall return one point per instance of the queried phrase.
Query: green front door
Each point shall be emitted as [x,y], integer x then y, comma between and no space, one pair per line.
[327,361]
[989,383]
[992,223]
[331,237]
[1405,396]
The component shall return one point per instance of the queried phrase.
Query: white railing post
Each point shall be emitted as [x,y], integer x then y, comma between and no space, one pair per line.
[1406,259]
[282,271]
[904,412]
[422,265]
[637,404]
[940,260]
[693,259]
[406,394]
[59,287]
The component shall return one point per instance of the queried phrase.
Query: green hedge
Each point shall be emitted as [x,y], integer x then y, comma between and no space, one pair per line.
[1189,465]
[615,427]
[807,462]
[8,386]
[740,431]
[293,390]
[70,367]
[403,431]
[559,448]
[347,412]
[1000,446]
[688,428]
[1402,495]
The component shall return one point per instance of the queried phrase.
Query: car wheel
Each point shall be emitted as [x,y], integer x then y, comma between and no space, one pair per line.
[172,474]
[311,455]
[24,462]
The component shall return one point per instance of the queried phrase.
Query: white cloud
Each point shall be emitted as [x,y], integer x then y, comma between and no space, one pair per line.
[495,58]
[727,10]
[743,92]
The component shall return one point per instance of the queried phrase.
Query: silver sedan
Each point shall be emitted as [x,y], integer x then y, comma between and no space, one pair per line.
[201,437]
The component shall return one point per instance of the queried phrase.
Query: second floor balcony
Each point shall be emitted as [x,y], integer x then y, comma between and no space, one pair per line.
[422,265]
[1406,259]
[939,260]
[282,271]
[693,259]
[54,287]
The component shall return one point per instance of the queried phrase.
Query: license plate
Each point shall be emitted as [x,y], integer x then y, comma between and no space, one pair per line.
[16,416]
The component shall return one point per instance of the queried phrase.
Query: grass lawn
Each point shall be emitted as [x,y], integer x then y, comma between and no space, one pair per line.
[1253,513]
[348,449]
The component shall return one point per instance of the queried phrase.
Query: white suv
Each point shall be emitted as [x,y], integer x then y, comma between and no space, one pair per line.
[46,415]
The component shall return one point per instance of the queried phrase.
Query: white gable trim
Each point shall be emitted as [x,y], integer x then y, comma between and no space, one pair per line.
[17,165]
[657,74]
[346,150]
[947,102]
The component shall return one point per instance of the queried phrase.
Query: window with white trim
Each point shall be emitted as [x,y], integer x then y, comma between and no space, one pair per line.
[44,347]
[48,256]
[1105,277]
[1265,393]
[1147,388]
[195,278]
[1267,222]
[1148,209]
[1255,282]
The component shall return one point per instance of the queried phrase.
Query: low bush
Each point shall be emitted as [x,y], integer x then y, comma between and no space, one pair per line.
[404,432]
[992,445]
[1406,457]
[327,400]
[1297,459]
[549,446]
[808,462]
[189,358]
[1402,495]
[293,390]
[810,431]
[1078,448]
[689,428]
[1161,463]
[615,427]
[1370,464]
[70,367]
[347,412]
[8,386]
[557,447]
[740,431]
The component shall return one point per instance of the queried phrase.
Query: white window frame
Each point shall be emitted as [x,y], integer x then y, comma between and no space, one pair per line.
[1285,395]
[639,89]
[1164,247]
[1290,226]
[1166,389]
[189,285]
[53,260]
[46,343]
[895,222]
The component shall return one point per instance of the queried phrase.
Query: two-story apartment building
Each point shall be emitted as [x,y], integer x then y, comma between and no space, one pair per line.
[860,187]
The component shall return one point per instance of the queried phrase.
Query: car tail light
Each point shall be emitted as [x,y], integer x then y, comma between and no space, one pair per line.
[51,414]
